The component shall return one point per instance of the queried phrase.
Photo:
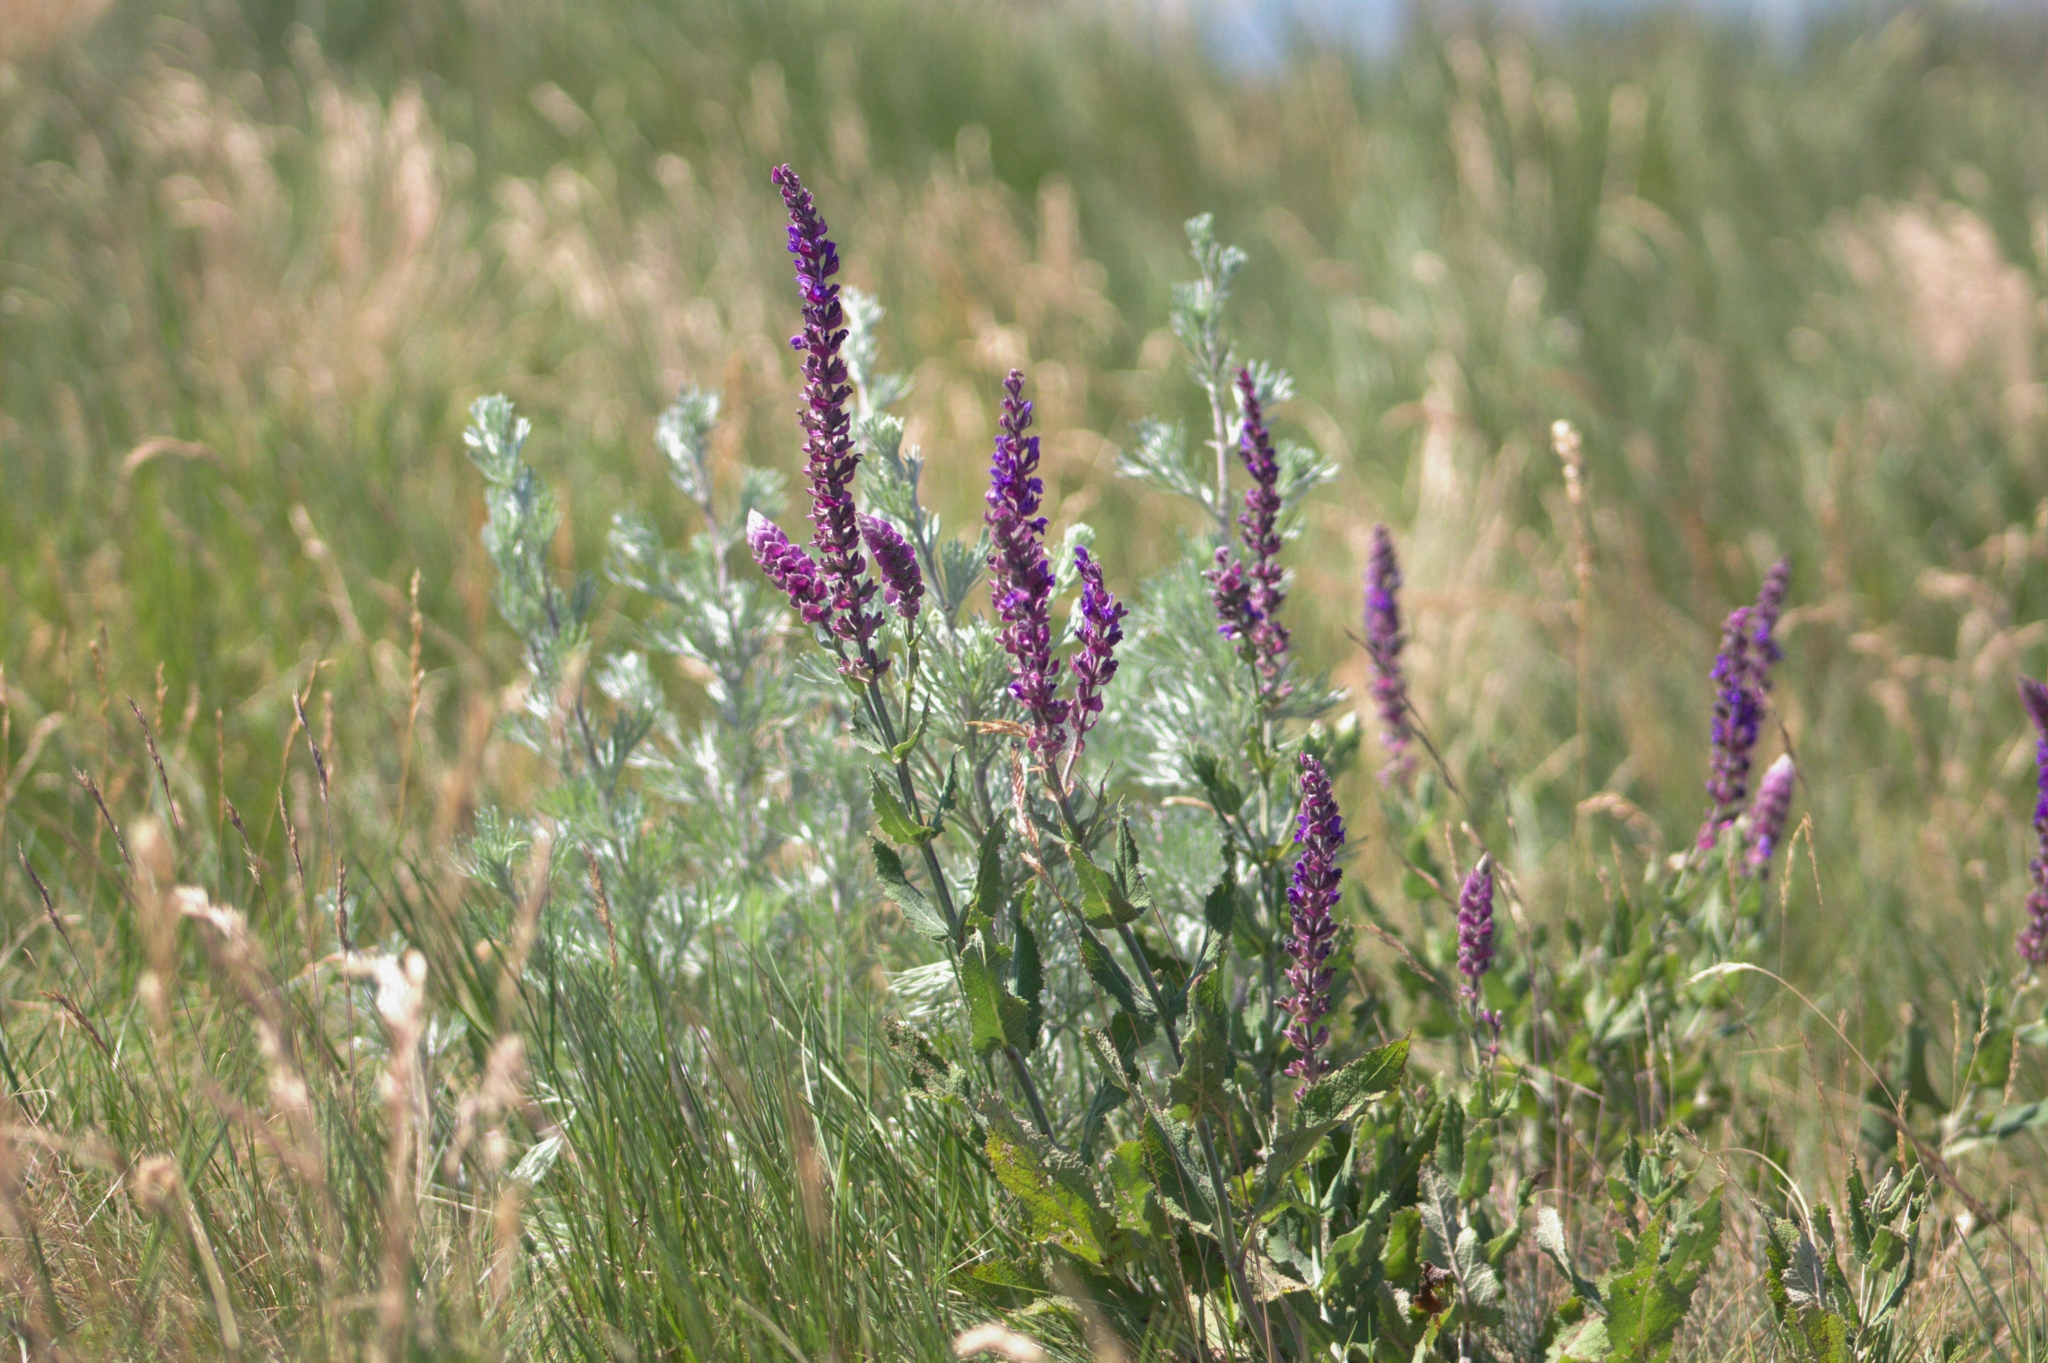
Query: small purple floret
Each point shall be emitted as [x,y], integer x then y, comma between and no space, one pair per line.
[896,562]
[2033,938]
[1383,643]
[1319,832]
[1020,575]
[1767,818]
[789,568]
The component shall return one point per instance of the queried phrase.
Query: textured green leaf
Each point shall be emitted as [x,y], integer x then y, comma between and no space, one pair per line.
[996,1016]
[1340,1095]
[1028,974]
[1225,796]
[1109,977]
[1053,1186]
[895,820]
[1550,1240]
[1103,902]
[1647,1303]
[910,899]
[988,876]
[1205,1058]
[1130,877]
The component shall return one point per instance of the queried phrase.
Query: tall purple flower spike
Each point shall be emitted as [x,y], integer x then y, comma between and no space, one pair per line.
[2033,938]
[1767,818]
[1383,643]
[896,562]
[1742,675]
[1020,575]
[789,568]
[1101,631]
[1258,529]
[1319,832]
[1475,926]
[830,457]
[1246,591]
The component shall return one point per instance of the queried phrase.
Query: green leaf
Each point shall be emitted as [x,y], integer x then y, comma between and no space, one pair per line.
[910,899]
[1028,975]
[1647,1303]
[1224,794]
[988,877]
[1103,901]
[997,1017]
[1341,1095]
[1109,977]
[1550,1240]
[1205,1058]
[909,745]
[1130,877]
[1055,1188]
[895,820]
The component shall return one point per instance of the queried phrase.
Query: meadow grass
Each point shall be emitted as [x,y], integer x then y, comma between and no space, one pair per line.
[255,272]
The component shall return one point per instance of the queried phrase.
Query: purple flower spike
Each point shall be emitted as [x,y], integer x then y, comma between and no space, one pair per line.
[1319,832]
[1383,642]
[1232,595]
[1020,575]
[789,568]
[1475,926]
[1259,532]
[902,583]
[1767,819]
[2033,938]
[1102,630]
[830,457]
[1738,714]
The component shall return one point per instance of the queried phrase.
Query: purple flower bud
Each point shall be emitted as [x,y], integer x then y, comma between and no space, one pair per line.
[1383,643]
[1020,575]
[789,568]
[1763,620]
[902,583]
[1319,832]
[1101,631]
[1475,926]
[2033,938]
[1767,817]
[830,456]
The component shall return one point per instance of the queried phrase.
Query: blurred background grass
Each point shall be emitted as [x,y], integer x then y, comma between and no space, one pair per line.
[255,260]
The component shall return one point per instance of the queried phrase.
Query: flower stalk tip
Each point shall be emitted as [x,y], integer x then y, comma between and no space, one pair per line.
[1767,819]
[1475,926]
[896,562]
[791,569]
[1101,631]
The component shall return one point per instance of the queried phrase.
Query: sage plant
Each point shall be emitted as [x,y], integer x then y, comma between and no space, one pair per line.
[1319,832]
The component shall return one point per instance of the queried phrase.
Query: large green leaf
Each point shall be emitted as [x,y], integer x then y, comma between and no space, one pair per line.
[895,819]
[910,899]
[1103,902]
[996,1016]
[1205,1058]
[1342,1094]
[1054,1187]
[1647,1302]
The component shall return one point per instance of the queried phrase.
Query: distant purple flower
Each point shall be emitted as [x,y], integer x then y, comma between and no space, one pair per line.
[1763,621]
[2033,938]
[1319,832]
[1020,576]
[830,456]
[1767,817]
[1738,714]
[1475,926]
[902,583]
[1101,631]
[1383,643]
[1258,529]
[789,568]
